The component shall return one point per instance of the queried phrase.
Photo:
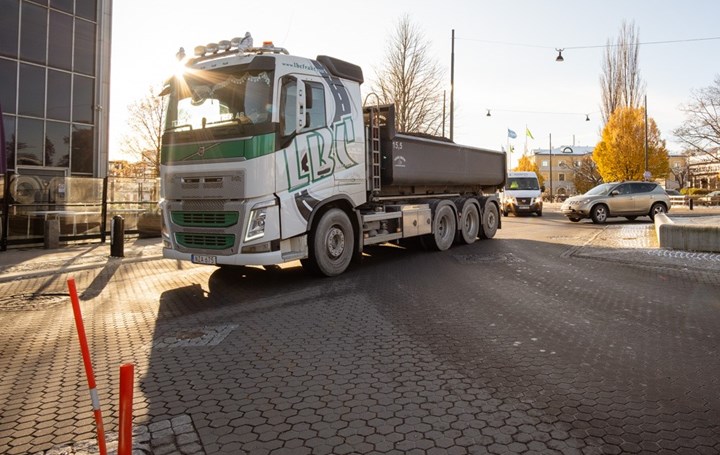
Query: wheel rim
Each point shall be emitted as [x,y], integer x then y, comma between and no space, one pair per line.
[335,242]
[601,213]
[491,220]
[658,209]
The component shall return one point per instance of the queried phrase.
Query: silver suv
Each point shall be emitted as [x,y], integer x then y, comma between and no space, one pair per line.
[628,199]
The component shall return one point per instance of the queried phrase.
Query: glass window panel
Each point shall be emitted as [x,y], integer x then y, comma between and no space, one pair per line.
[9,125]
[57,144]
[33,36]
[9,27]
[63,5]
[86,9]
[84,47]
[82,149]
[60,42]
[29,142]
[58,95]
[8,76]
[31,94]
[83,95]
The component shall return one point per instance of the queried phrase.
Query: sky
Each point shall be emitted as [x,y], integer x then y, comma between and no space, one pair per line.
[504,55]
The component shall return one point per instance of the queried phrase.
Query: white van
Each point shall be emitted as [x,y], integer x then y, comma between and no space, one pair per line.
[522,194]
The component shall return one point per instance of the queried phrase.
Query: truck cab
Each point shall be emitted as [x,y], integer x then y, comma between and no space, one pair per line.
[522,194]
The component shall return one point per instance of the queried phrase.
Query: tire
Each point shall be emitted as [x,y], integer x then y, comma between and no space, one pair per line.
[505,213]
[599,214]
[469,222]
[656,208]
[490,221]
[444,225]
[539,212]
[331,244]
[631,218]
[574,220]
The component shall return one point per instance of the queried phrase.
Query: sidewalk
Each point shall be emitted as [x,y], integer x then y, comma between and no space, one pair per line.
[20,263]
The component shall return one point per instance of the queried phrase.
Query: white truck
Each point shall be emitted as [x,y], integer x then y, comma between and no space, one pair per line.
[269,158]
[522,194]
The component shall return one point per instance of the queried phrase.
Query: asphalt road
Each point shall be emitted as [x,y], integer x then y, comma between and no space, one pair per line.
[517,344]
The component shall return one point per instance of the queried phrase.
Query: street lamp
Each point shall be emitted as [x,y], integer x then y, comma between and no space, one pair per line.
[559,57]
[551,177]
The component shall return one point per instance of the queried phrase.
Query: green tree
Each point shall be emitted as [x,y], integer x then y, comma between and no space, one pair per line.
[620,155]
[526,164]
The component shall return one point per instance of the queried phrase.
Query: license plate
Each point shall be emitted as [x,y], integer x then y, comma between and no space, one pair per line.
[203,259]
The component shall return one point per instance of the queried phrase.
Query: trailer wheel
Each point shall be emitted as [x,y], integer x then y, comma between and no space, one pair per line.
[469,222]
[489,221]
[332,243]
[444,226]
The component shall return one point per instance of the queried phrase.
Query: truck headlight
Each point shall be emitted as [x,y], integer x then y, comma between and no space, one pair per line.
[256,224]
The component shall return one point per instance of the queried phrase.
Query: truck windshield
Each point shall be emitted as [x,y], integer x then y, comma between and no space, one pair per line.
[214,99]
[521,183]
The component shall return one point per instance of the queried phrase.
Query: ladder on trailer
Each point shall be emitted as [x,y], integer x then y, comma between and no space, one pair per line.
[374,144]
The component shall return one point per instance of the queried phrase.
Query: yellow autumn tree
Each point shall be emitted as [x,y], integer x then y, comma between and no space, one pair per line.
[526,164]
[620,155]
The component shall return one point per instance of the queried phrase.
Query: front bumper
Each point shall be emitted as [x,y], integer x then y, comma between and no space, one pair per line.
[522,208]
[575,211]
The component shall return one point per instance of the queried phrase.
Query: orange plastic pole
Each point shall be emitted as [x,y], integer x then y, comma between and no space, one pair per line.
[88,366]
[127,376]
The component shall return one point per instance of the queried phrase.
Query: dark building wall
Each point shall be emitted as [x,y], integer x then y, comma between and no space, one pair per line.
[53,74]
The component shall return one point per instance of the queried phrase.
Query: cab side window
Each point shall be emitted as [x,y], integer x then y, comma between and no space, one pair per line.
[288,102]
[316,112]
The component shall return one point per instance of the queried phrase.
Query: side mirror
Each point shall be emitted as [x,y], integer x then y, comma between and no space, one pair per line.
[614,193]
[542,188]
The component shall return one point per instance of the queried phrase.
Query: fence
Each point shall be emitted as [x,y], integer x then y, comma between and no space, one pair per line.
[83,206]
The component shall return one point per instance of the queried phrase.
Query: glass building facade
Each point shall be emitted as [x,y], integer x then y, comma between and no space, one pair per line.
[54,72]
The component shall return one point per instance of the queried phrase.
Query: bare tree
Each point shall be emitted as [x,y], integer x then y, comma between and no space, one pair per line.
[701,129]
[146,122]
[620,80]
[411,80]
[586,175]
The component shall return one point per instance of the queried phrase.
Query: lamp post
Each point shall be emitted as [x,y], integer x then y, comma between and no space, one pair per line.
[646,174]
[452,84]
[551,176]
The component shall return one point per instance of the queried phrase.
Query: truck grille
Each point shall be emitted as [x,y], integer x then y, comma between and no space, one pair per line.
[205,241]
[523,200]
[205,219]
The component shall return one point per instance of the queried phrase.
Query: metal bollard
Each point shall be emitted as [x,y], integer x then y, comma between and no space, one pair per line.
[691,204]
[117,237]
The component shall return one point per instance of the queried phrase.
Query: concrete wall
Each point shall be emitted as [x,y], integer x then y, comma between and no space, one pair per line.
[688,237]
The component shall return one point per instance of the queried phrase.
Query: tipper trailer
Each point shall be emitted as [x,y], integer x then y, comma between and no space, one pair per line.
[269,158]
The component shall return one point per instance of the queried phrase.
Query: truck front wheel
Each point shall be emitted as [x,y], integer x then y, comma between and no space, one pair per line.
[332,244]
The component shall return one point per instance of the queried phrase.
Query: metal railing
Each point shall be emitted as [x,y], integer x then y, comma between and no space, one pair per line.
[83,206]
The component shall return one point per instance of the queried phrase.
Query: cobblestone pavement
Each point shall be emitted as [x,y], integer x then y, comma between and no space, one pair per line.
[542,344]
